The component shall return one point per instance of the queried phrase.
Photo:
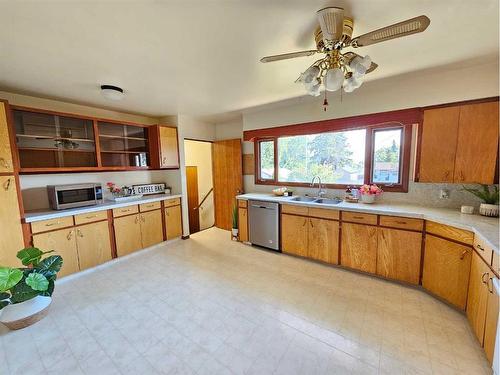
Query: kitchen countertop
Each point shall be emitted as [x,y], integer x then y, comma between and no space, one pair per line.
[485,227]
[37,215]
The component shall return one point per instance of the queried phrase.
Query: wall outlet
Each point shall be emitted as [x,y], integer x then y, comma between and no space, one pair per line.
[444,194]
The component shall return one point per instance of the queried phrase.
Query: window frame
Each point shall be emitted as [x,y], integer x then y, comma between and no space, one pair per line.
[401,186]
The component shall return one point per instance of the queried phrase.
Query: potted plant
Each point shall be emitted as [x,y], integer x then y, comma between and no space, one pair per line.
[369,192]
[234,230]
[25,293]
[490,198]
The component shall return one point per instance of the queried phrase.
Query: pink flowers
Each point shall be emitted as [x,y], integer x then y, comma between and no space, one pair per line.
[113,188]
[370,190]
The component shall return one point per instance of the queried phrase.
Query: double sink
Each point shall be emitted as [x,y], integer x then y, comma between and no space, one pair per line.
[315,200]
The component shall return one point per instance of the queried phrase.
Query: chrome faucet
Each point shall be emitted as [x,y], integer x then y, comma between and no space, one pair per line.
[321,192]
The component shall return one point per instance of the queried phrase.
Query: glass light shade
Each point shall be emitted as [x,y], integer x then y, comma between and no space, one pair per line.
[334,79]
[112,92]
[315,90]
[309,75]
[352,83]
[360,65]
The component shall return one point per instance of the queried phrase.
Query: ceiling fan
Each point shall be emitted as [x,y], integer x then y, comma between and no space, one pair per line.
[339,69]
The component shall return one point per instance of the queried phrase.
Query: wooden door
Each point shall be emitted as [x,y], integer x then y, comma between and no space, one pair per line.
[243,224]
[490,329]
[93,243]
[477,298]
[169,147]
[398,255]
[127,234]
[63,242]
[228,179]
[173,222]
[359,247]
[294,234]
[447,269]
[10,223]
[6,165]
[193,199]
[151,228]
[477,145]
[323,240]
[438,144]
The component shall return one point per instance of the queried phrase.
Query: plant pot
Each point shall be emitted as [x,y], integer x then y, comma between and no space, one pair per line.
[24,314]
[490,210]
[366,198]
[234,231]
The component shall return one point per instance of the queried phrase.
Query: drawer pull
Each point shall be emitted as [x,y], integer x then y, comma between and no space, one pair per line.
[50,224]
[480,247]
[401,222]
[127,210]
[482,277]
[358,217]
[90,217]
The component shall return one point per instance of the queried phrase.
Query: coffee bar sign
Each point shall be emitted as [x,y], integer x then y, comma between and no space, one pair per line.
[147,189]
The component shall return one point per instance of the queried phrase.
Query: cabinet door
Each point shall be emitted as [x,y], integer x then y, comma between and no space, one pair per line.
[294,234]
[63,242]
[447,269]
[151,228]
[94,246]
[169,155]
[477,144]
[359,247]
[477,298]
[439,142]
[398,254]
[243,224]
[10,223]
[5,151]
[490,329]
[323,240]
[127,234]
[173,222]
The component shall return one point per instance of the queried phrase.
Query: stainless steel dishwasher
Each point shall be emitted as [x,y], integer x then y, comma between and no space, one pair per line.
[264,224]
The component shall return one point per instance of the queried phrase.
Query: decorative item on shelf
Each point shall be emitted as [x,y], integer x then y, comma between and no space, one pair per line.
[490,198]
[234,230]
[349,196]
[288,193]
[25,293]
[122,194]
[279,191]
[147,189]
[469,210]
[369,192]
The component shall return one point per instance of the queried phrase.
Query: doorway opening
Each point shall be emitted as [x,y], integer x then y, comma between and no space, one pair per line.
[199,181]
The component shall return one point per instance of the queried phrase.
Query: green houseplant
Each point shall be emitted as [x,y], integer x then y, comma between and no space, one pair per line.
[25,292]
[490,198]
[235,221]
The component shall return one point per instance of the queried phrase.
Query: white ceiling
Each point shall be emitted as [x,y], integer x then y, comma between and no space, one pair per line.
[202,57]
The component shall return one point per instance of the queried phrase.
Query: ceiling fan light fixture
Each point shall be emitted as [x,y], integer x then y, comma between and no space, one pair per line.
[334,79]
[310,74]
[112,92]
[331,21]
[360,64]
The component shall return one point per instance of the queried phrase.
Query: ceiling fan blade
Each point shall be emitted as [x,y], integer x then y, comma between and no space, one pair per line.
[408,27]
[331,21]
[351,55]
[286,56]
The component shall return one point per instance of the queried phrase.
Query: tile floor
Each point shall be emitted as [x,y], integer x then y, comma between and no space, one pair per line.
[211,306]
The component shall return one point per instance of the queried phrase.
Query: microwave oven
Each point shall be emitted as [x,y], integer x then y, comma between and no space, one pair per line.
[74,195]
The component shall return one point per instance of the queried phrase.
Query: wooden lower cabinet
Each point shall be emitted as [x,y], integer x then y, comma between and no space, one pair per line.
[243,224]
[151,228]
[490,326]
[294,234]
[398,254]
[446,269]
[63,242]
[93,244]
[173,222]
[323,240]
[127,234]
[10,223]
[359,247]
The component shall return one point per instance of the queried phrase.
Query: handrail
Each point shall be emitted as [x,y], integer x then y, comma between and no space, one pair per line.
[204,199]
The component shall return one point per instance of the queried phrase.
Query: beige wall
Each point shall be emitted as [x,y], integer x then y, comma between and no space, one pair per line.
[199,154]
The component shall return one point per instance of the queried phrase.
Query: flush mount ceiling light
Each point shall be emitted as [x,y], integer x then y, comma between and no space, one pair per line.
[337,70]
[112,92]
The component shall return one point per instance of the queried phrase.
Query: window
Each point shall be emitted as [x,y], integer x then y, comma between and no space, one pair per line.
[371,154]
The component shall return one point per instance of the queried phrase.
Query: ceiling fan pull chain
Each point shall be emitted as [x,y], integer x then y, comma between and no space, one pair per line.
[325,102]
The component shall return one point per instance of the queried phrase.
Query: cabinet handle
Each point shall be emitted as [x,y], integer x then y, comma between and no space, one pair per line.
[401,222]
[90,217]
[490,282]
[482,277]
[463,254]
[358,217]
[70,235]
[79,233]
[50,224]
[446,175]
[127,210]
[164,161]
[136,219]
[305,222]
[6,184]
[480,247]
[310,222]
[143,219]
[461,176]
[4,163]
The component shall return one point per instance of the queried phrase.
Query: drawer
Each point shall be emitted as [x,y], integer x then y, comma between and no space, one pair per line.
[296,210]
[51,224]
[449,232]
[90,217]
[358,217]
[242,203]
[172,202]
[129,210]
[495,263]
[484,250]
[324,213]
[402,222]
[150,206]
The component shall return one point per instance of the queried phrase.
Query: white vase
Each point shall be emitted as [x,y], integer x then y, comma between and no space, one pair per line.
[24,314]
[489,209]
[366,198]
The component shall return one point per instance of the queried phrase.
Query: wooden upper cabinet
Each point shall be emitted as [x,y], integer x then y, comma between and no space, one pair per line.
[164,147]
[359,247]
[323,240]
[6,165]
[438,144]
[294,234]
[10,223]
[477,144]
[477,299]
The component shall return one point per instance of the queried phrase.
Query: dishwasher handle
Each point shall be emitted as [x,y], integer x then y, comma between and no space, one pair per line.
[264,207]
